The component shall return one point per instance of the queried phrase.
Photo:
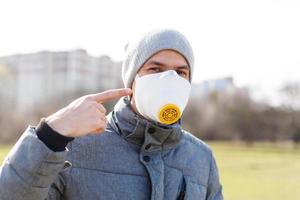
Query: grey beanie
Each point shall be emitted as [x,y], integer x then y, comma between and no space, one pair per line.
[140,50]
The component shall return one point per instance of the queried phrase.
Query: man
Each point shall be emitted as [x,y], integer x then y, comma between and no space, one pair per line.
[139,151]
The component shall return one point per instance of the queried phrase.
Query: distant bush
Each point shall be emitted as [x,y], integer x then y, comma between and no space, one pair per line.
[223,116]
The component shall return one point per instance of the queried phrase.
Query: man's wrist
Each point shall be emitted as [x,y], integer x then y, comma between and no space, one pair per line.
[51,138]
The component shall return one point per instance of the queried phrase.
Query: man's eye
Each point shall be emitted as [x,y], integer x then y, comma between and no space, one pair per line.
[182,73]
[154,69]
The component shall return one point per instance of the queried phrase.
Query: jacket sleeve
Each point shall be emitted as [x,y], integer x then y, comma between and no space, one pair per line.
[214,190]
[30,169]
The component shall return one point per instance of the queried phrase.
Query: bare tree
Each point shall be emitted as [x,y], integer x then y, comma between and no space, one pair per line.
[291,95]
[291,101]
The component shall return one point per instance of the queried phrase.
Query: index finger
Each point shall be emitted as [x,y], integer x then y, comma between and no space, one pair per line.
[109,95]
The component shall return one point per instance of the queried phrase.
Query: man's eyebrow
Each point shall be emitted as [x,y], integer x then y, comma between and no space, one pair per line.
[182,67]
[153,62]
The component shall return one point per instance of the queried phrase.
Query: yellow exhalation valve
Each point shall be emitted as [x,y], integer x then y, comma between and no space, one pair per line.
[169,114]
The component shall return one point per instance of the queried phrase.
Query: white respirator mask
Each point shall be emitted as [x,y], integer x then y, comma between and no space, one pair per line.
[162,96]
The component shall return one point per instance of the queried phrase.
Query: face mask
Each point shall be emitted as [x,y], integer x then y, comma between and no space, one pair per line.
[161,97]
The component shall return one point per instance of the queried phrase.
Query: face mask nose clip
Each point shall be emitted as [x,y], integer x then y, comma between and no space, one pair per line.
[168,73]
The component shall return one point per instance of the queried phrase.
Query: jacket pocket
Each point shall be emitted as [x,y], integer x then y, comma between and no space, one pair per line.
[194,190]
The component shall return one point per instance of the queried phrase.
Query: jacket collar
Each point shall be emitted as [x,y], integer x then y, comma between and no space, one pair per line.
[136,129]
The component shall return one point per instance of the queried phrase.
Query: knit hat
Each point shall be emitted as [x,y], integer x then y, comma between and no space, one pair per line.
[141,49]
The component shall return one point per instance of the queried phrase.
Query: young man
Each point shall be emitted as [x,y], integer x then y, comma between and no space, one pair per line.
[139,151]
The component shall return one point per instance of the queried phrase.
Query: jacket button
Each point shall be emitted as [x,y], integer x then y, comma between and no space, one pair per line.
[151,130]
[146,158]
[147,146]
[67,164]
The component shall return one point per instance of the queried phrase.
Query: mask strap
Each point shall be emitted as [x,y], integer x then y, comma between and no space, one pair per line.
[136,76]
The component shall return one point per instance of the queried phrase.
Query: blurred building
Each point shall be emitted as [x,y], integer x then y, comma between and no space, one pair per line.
[224,85]
[29,79]
[215,85]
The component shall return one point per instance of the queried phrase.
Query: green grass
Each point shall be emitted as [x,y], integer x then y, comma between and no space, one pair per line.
[261,172]
[4,149]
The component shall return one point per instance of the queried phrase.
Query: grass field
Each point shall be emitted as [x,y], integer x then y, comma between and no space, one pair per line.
[3,152]
[260,172]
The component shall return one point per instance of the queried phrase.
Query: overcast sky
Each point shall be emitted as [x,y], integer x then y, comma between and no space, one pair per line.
[255,41]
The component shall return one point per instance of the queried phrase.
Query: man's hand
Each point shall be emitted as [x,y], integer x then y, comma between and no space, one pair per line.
[84,115]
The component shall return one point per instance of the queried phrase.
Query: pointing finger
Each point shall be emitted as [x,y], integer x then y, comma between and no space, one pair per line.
[109,95]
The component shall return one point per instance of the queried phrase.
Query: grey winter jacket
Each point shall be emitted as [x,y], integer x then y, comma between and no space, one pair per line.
[133,159]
